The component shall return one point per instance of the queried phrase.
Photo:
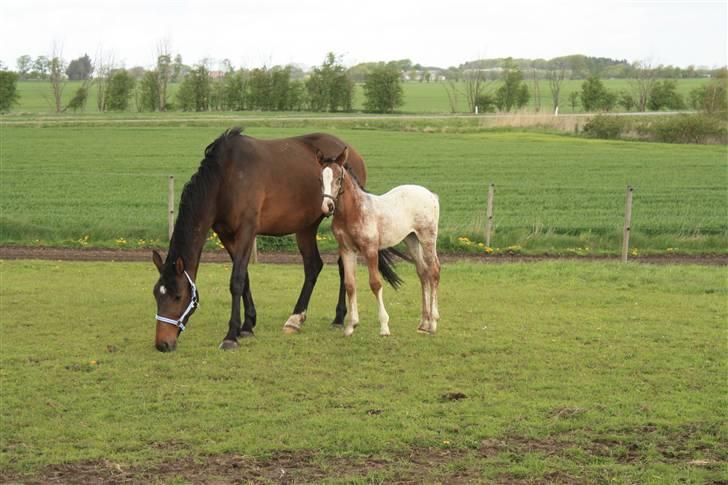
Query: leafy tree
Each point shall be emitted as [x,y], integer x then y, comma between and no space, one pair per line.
[513,93]
[626,99]
[234,88]
[148,92]
[574,100]
[664,95]
[260,89]
[8,90]
[79,69]
[78,101]
[194,92]
[592,94]
[177,68]
[383,90]
[486,103]
[41,65]
[164,75]
[121,86]
[329,86]
[713,96]
[280,84]
[24,63]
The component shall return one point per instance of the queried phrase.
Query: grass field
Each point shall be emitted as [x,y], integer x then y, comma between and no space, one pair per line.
[107,185]
[35,96]
[584,372]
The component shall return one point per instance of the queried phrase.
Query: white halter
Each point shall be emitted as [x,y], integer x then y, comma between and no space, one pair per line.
[194,303]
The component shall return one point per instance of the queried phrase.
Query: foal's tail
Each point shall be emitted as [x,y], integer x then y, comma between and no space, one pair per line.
[386,266]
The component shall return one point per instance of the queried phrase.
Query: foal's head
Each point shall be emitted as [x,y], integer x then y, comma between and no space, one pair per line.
[177,298]
[332,179]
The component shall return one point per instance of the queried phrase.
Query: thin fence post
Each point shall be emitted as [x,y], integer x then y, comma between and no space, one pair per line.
[627,224]
[254,251]
[170,206]
[489,215]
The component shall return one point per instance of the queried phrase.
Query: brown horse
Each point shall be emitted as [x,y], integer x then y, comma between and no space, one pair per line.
[245,187]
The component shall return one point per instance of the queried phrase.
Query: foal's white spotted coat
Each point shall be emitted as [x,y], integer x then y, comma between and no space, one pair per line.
[365,223]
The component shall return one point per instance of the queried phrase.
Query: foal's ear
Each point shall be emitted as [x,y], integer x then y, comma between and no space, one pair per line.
[341,159]
[319,156]
[157,260]
[179,266]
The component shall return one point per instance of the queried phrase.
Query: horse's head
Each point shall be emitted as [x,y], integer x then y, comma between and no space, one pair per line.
[332,179]
[177,298]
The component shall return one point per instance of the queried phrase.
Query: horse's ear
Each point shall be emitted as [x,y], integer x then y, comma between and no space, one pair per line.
[157,260]
[179,266]
[341,159]
[319,156]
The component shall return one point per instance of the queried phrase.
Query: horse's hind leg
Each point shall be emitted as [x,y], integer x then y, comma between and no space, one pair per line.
[312,265]
[249,308]
[415,250]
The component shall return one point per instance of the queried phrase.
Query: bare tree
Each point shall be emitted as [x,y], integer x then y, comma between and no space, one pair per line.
[556,75]
[536,89]
[164,71]
[58,82]
[452,95]
[475,84]
[645,77]
[104,66]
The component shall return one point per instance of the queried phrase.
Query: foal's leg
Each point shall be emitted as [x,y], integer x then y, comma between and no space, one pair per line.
[375,283]
[239,246]
[349,260]
[415,249]
[312,264]
[432,262]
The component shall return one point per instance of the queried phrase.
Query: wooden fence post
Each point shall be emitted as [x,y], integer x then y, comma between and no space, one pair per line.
[254,251]
[627,224]
[489,215]
[170,206]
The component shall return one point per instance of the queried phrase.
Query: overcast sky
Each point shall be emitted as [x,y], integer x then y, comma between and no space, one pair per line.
[443,33]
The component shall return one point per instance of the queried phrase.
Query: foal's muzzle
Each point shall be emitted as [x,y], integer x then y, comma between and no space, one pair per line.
[328,206]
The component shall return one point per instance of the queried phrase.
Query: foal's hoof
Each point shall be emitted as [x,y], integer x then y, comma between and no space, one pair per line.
[229,345]
[289,330]
[423,329]
[246,334]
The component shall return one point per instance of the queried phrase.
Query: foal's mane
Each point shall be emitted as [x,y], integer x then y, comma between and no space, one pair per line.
[196,195]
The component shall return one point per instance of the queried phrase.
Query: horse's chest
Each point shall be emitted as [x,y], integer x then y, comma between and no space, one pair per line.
[355,236]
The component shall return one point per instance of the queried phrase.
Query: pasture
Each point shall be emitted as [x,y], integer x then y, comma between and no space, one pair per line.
[570,372]
[35,96]
[104,183]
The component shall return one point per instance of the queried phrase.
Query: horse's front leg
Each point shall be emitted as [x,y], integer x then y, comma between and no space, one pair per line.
[375,283]
[341,304]
[312,264]
[239,248]
[348,258]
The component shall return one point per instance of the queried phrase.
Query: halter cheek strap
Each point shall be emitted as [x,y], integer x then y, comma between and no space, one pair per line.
[194,303]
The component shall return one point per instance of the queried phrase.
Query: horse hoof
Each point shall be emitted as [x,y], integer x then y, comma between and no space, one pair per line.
[288,330]
[424,331]
[246,334]
[384,334]
[337,326]
[228,345]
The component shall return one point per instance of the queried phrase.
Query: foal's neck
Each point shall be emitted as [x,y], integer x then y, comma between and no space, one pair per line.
[352,197]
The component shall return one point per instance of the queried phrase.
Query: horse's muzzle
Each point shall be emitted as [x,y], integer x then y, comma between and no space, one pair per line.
[328,207]
[165,346]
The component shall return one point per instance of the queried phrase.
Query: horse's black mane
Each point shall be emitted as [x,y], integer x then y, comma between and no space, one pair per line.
[195,196]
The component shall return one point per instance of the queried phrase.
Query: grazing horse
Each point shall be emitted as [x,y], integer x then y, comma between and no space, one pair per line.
[244,187]
[364,223]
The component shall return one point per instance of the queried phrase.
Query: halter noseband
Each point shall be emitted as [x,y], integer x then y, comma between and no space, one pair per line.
[194,303]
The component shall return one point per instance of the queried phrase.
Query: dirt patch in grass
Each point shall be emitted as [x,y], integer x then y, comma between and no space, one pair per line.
[418,465]
[281,257]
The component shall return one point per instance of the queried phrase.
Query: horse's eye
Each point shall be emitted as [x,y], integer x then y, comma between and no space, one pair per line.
[178,297]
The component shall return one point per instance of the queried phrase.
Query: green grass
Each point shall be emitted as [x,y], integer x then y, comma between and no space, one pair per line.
[35,96]
[93,185]
[621,367]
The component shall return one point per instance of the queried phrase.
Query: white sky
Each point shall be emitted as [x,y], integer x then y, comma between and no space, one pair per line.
[444,33]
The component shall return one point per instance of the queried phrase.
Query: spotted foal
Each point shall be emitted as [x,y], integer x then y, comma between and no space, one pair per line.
[365,223]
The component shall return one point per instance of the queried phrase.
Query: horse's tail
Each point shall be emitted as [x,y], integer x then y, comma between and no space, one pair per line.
[386,266]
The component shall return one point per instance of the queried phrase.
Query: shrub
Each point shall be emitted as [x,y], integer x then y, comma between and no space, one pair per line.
[694,128]
[608,127]
[120,88]
[383,89]
[8,90]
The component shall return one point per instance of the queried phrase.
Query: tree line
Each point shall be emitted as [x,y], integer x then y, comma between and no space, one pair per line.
[484,85]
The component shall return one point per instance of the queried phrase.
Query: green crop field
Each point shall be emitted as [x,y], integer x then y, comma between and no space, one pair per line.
[556,371]
[35,96]
[106,184]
